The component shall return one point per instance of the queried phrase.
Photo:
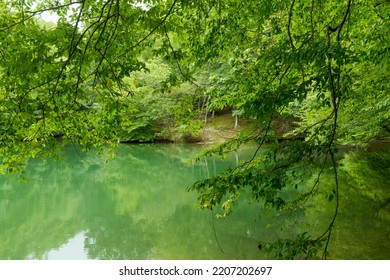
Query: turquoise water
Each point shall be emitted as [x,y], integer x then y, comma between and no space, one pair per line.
[136,206]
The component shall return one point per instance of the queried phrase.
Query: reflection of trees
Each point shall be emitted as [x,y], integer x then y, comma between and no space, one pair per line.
[362,230]
[204,237]
[137,207]
[368,173]
[364,222]
[120,238]
[147,184]
[152,214]
[40,215]
[51,208]
[126,201]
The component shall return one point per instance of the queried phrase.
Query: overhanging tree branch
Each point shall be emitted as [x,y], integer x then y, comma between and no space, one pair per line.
[159,24]
[177,59]
[335,98]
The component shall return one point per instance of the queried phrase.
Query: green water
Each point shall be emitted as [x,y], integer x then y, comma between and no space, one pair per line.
[136,207]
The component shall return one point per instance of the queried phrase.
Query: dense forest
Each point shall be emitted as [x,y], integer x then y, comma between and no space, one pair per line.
[302,78]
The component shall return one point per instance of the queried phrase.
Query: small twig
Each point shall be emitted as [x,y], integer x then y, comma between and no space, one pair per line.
[341,24]
[54,8]
[177,60]
[311,20]
[290,14]
[170,11]
[307,195]
[337,203]
[215,234]
[247,163]
[75,31]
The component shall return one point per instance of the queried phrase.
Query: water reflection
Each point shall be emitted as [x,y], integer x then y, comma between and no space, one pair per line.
[137,207]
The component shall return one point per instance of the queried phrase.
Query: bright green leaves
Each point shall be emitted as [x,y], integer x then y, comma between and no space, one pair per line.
[61,82]
[154,108]
[302,247]
[271,177]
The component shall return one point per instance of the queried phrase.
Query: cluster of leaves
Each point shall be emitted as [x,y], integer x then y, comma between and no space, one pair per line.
[303,247]
[153,107]
[267,175]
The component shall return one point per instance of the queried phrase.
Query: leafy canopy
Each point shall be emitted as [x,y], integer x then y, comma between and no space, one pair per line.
[323,64]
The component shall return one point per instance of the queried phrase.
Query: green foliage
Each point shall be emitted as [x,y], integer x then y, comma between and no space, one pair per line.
[154,108]
[324,63]
[267,176]
[111,71]
[303,247]
[376,162]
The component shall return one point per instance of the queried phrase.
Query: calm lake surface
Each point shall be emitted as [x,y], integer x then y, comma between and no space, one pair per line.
[136,206]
